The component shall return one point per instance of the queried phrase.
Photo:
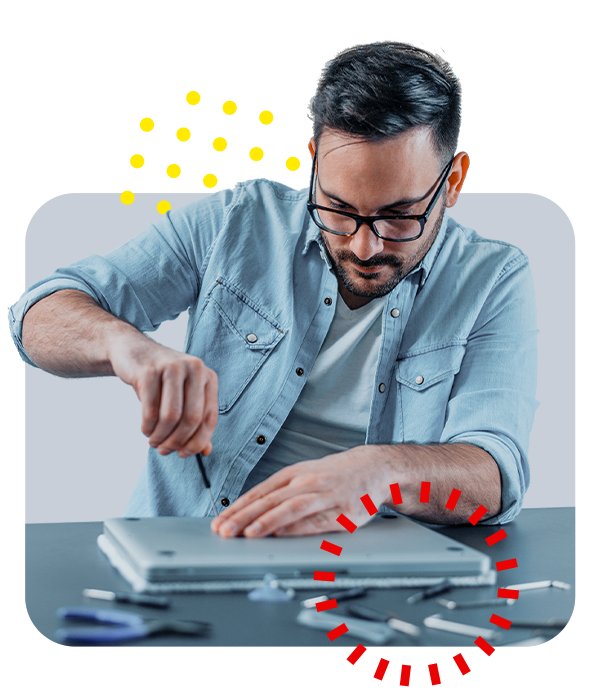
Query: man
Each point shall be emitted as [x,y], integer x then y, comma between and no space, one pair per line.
[332,352]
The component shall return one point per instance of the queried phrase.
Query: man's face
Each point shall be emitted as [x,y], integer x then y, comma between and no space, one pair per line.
[362,177]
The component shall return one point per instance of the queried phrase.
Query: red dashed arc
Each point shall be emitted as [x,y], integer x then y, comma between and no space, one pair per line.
[383,664]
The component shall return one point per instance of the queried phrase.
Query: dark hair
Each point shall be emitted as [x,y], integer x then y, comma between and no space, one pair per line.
[383,89]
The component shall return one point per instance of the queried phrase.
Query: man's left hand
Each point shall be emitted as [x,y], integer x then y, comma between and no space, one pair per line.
[306,498]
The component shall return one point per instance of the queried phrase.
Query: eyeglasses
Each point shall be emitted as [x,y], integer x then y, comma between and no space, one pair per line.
[388,228]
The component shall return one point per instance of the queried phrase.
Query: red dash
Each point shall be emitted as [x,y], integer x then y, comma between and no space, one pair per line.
[356,654]
[425,487]
[381,669]
[508,593]
[324,576]
[331,548]
[496,537]
[484,646]
[461,663]
[435,674]
[346,522]
[396,495]
[453,500]
[477,515]
[368,504]
[337,632]
[500,621]
[506,564]
[327,604]
[405,675]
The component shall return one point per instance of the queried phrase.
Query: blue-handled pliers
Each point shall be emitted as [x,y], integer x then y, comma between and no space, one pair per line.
[125,626]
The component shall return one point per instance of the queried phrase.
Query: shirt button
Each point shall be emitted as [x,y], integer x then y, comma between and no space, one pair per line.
[251,338]
[419,380]
[261,439]
[299,371]
[322,256]
[381,388]
[225,502]
[395,313]
[328,301]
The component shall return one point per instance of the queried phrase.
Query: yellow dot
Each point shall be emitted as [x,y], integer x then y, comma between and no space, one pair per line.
[127,197]
[173,170]
[163,206]
[219,144]
[183,134]
[230,107]
[292,163]
[256,153]
[193,97]
[137,160]
[146,124]
[210,180]
[265,117]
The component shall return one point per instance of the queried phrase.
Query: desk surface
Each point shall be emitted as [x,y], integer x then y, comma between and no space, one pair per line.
[63,558]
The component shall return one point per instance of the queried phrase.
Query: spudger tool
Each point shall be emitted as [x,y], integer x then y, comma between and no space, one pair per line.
[338,595]
[152,601]
[442,587]
[365,613]
[206,481]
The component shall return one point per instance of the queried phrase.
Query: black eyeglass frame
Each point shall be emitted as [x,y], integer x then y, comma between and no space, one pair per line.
[370,220]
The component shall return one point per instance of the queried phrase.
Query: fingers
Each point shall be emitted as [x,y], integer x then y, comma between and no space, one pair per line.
[265,516]
[179,397]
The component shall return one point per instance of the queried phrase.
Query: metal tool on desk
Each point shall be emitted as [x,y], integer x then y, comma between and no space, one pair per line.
[438,623]
[484,603]
[373,632]
[152,601]
[365,613]
[539,584]
[431,592]
[357,592]
[119,626]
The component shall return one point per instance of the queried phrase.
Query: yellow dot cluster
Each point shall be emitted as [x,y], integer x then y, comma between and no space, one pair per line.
[219,144]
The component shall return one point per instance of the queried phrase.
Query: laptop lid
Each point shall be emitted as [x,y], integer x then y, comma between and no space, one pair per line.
[170,549]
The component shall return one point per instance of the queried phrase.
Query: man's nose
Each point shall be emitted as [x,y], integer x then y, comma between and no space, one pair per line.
[365,244]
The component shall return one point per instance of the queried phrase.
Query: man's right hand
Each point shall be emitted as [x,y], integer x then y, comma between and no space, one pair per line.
[178,393]
[69,335]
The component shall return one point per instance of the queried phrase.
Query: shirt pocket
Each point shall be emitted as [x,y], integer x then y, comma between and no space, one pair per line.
[234,337]
[425,381]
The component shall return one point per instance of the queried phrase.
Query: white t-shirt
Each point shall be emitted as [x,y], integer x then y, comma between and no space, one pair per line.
[332,411]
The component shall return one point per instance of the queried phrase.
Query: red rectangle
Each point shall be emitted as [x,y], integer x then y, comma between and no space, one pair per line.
[324,576]
[346,522]
[337,632]
[507,593]
[496,537]
[425,488]
[396,495]
[484,646]
[331,548]
[326,605]
[368,504]
[506,564]
[500,621]
[416,667]
[477,515]
[453,500]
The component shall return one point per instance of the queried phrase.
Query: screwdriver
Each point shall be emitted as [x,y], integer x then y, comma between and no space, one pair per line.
[206,481]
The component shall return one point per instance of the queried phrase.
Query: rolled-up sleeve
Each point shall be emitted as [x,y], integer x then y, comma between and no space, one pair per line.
[148,280]
[492,403]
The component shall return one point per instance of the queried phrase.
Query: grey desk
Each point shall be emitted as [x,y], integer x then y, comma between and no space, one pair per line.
[63,558]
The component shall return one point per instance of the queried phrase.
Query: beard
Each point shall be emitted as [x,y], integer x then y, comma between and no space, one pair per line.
[401,266]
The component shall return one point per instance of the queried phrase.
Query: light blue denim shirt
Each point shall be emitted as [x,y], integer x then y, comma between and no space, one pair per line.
[456,364]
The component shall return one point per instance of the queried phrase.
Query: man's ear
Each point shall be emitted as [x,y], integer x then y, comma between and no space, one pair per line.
[457,178]
[312,147]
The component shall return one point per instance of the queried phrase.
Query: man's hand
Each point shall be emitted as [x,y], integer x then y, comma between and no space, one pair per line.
[178,393]
[305,498]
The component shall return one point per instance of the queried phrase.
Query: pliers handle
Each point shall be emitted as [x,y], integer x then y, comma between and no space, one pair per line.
[125,625]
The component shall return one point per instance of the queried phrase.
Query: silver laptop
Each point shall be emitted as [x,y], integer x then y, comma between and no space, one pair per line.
[170,549]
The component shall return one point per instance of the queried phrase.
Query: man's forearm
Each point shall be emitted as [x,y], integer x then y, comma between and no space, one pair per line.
[461,466]
[69,335]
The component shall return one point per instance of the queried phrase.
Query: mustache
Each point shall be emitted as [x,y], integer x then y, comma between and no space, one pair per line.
[375,261]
